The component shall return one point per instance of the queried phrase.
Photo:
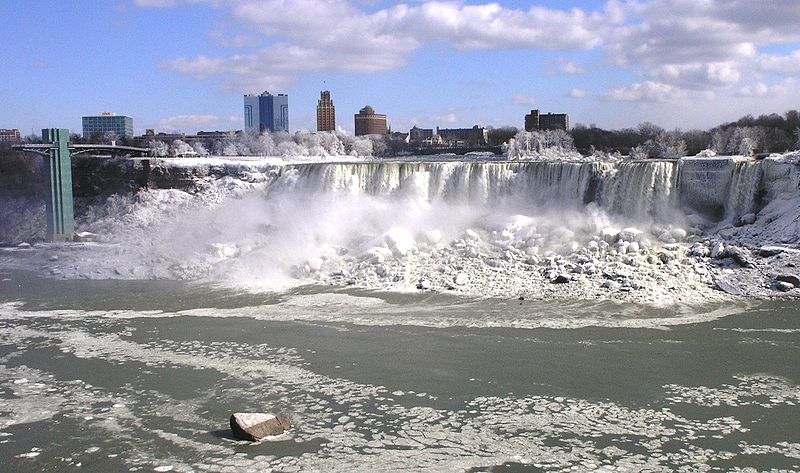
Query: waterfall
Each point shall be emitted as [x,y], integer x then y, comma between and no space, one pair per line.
[744,187]
[482,183]
[646,190]
[641,190]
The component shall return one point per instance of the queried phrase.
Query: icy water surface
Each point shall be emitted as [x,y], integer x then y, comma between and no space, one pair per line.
[142,376]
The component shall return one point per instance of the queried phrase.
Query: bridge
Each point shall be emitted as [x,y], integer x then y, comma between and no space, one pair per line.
[58,152]
[76,149]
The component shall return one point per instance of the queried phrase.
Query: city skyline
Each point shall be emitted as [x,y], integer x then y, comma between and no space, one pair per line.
[614,64]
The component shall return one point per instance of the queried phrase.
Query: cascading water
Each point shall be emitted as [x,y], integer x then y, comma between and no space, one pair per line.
[744,188]
[538,184]
[640,190]
[634,190]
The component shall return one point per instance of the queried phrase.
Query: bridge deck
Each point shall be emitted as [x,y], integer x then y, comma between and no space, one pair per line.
[83,147]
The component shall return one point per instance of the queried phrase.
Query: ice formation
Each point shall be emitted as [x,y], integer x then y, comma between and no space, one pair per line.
[636,230]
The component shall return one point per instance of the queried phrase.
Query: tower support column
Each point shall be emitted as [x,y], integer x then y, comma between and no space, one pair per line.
[58,167]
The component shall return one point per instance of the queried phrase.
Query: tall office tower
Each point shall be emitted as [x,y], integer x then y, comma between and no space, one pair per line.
[120,125]
[266,112]
[370,123]
[326,112]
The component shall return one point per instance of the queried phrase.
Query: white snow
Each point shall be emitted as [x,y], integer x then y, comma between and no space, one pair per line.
[479,228]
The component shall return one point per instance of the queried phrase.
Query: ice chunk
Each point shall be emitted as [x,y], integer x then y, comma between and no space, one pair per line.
[631,234]
[399,241]
[679,234]
[609,234]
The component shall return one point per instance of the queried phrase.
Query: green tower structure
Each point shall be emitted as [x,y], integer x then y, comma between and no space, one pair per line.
[58,167]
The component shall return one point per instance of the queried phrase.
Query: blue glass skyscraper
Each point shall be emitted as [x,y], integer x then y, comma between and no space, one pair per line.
[266,112]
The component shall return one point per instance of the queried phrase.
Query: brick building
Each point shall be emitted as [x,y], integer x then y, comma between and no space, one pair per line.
[326,112]
[370,123]
[535,121]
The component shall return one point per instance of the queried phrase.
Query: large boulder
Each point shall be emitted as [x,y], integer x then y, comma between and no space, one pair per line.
[784,286]
[789,278]
[560,279]
[767,251]
[729,287]
[739,256]
[255,426]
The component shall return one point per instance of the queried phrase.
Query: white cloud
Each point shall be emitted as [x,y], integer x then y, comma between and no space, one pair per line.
[449,118]
[647,92]
[334,35]
[697,47]
[758,89]
[677,48]
[698,75]
[576,93]
[788,65]
[524,99]
[568,66]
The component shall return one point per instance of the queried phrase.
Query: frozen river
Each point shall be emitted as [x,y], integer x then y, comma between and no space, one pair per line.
[104,376]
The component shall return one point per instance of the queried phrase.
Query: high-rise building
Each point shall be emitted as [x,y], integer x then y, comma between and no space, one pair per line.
[549,121]
[326,112]
[106,122]
[10,136]
[266,112]
[370,123]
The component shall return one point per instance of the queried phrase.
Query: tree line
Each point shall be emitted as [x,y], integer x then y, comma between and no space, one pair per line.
[746,136]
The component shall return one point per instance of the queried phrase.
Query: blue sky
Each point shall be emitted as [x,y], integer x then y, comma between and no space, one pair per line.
[184,64]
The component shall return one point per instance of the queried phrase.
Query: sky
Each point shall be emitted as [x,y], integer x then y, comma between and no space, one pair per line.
[184,65]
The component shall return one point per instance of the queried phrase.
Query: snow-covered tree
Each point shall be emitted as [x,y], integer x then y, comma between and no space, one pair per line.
[638,152]
[200,148]
[666,145]
[549,144]
[745,140]
[181,148]
[108,137]
[719,141]
[331,143]
[360,146]
[158,148]
[301,143]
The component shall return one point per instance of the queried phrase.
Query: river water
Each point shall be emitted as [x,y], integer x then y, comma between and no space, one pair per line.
[142,376]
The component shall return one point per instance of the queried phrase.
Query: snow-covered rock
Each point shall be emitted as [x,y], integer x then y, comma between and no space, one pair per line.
[679,234]
[609,234]
[255,426]
[630,234]
[792,279]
